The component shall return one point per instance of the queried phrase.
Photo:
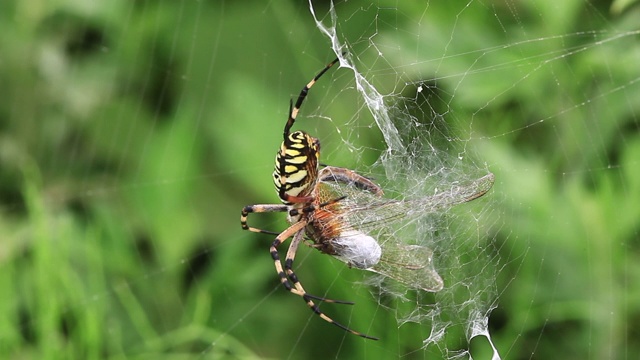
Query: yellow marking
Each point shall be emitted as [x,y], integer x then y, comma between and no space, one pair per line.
[294,112]
[297,145]
[292,152]
[297,176]
[290,169]
[297,160]
[296,191]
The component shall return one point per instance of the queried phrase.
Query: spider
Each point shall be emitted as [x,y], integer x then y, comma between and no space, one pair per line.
[317,209]
[297,178]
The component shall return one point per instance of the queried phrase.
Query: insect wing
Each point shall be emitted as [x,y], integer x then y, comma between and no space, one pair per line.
[411,265]
[362,212]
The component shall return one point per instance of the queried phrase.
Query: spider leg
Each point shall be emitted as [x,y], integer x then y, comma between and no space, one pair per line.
[260,209]
[313,207]
[282,236]
[288,267]
[349,177]
[291,253]
[293,110]
[293,230]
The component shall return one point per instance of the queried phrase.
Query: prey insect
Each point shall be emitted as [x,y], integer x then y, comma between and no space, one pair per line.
[334,207]
[361,229]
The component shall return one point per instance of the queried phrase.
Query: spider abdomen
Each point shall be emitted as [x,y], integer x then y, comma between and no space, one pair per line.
[296,167]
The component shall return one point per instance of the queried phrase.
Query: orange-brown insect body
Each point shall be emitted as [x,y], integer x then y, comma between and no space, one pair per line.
[324,226]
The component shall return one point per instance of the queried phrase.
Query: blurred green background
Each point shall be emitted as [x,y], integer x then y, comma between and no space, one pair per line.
[133,132]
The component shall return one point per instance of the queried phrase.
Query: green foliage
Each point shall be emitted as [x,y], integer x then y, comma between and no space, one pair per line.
[132,133]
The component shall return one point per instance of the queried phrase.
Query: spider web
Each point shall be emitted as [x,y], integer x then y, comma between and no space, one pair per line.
[412,165]
[132,133]
[432,113]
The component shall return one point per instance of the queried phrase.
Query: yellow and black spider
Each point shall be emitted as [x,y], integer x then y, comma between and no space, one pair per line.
[297,178]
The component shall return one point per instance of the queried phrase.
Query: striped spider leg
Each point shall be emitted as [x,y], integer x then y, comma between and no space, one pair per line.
[300,217]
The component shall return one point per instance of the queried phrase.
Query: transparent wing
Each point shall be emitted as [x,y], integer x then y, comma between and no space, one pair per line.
[363,215]
[411,265]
